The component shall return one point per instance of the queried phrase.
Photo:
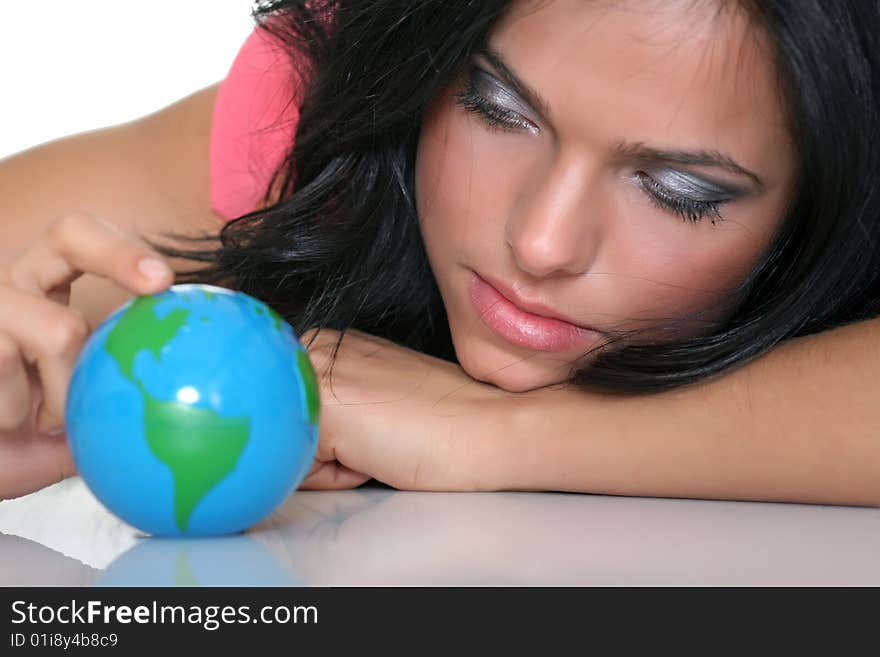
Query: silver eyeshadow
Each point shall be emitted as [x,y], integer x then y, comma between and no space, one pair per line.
[488,86]
[675,181]
[681,183]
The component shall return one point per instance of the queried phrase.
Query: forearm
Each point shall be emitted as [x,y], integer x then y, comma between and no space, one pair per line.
[799,424]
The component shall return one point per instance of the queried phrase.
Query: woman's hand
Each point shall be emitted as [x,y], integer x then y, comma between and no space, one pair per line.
[41,337]
[399,416]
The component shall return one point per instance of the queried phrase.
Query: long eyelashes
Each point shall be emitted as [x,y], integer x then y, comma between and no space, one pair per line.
[687,208]
[504,120]
[494,116]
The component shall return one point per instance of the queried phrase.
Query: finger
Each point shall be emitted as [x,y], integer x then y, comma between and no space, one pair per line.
[77,243]
[317,465]
[49,336]
[15,394]
[32,461]
[332,475]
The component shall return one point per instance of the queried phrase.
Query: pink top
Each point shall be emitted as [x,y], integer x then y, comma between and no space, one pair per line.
[254,120]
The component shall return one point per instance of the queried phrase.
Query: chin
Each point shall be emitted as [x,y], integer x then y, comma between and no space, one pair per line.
[510,372]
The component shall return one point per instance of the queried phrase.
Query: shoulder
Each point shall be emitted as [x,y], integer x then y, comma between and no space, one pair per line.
[253,123]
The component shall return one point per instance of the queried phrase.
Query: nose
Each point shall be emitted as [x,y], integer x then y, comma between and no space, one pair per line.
[556,227]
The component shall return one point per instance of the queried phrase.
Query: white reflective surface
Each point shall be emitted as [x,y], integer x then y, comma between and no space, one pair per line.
[377,536]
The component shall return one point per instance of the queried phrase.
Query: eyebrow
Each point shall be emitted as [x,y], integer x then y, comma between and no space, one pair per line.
[520,88]
[702,157]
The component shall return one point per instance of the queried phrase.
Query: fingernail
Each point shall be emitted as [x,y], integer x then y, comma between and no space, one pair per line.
[153,269]
[55,431]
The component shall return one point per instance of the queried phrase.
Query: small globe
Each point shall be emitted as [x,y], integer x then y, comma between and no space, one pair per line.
[193,412]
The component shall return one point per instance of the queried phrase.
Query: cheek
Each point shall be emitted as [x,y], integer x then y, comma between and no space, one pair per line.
[434,178]
[697,268]
[464,181]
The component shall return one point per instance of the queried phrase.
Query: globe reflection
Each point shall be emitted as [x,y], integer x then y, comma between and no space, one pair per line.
[225,561]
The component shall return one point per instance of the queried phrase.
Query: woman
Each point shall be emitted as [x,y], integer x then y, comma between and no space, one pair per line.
[489,199]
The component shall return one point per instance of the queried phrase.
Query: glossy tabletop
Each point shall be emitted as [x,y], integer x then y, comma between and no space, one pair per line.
[375,536]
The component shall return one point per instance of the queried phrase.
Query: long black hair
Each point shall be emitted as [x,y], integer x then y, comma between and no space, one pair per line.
[342,246]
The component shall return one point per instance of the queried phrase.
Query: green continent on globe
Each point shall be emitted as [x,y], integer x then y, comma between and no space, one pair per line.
[262,309]
[198,445]
[276,319]
[139,329]
[307,374]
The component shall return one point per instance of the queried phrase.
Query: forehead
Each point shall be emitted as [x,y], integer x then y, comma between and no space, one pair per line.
[669,73]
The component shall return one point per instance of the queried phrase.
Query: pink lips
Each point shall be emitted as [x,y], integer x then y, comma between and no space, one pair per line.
[523,328]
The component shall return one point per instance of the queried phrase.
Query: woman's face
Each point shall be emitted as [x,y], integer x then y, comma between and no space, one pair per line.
[647,187]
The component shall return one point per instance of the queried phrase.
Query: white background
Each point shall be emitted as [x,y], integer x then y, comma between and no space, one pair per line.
[67,66]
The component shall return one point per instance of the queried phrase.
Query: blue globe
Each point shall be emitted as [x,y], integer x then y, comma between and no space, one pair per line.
[193,412]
